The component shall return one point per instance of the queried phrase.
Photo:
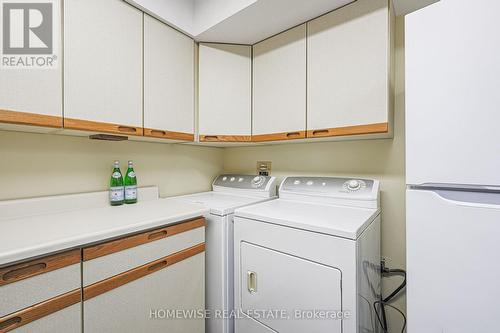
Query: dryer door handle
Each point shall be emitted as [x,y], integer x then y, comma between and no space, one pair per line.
[252,282]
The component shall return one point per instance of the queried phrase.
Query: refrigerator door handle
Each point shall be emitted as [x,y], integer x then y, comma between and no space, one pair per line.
[466,197]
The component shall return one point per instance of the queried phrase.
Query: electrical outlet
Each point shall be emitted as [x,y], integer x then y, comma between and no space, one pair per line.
[264,168]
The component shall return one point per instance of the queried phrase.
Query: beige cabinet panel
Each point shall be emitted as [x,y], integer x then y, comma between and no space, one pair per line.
[168,78]
[24,293]
[103,63]
[67,320]
[138,306]
[279,84]
[113,264]
[225,90]
[33,96]
[348,68]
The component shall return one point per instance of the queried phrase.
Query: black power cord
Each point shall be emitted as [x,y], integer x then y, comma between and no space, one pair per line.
[384,302]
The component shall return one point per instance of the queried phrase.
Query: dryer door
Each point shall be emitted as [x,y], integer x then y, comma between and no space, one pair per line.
[289,294]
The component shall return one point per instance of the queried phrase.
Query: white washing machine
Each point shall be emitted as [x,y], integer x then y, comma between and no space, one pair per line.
[310,260]
[229,192]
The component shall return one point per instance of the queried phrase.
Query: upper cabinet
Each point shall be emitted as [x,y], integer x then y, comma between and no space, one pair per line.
[225,73]
[279,86]
[103,66]
[348,71]
[31,95]
[168,82]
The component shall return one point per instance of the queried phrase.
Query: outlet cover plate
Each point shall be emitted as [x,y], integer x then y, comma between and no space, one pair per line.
[264,168]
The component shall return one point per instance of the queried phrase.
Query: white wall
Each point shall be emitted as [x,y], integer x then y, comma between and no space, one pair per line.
[42,164]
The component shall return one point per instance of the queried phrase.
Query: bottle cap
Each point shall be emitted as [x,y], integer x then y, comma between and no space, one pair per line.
[130,162]
[116,163]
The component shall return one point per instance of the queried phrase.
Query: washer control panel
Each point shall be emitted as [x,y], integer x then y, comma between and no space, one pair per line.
[242,181]
[327,185]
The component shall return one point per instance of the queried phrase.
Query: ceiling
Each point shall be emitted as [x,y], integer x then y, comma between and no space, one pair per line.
[246,21]
[235,21]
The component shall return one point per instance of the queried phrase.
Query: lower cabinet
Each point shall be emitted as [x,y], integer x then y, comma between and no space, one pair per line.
[42,295]
[149,282]
[153,281]
[159,297]
[66,318]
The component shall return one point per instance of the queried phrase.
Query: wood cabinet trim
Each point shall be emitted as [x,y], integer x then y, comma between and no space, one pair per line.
[31,268]
[349,130]
[164,134]
[293,135]
[40,310]
[121,244]
[30,119]
[119,280]
[94,126]
[225,138]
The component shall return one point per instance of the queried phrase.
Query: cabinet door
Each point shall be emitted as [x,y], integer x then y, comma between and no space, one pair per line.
[145,298]
[61,314]
[103,66]
[33,96]
[225,92]
[348,70]
[168,82]
[42,295]
[279,86]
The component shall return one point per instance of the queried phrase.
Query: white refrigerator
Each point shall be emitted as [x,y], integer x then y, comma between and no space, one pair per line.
[453,167]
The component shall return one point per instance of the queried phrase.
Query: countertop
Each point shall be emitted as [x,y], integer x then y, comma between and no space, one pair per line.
[28,237]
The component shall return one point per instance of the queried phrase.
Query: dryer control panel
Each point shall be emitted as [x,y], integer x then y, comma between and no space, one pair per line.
[333,189]
[249,182]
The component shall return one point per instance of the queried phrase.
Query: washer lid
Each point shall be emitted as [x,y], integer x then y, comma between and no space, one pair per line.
[221,203]
[341,221]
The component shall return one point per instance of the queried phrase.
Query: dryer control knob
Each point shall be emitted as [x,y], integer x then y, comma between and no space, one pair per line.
[353,185]
[258,181]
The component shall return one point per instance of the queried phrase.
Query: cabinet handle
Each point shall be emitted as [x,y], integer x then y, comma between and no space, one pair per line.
[291,134]
[159,234]
[252,282]
[127,129]
[320,132]
[24,271]
[158,133]
[211,137]
[10,322]
[157,266]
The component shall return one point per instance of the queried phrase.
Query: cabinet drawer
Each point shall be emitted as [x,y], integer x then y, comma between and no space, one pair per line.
[35,281]
[111,258]
[59,314]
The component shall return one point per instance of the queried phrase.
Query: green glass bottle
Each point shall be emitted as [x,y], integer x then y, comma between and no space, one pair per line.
[116,188]
[130,184]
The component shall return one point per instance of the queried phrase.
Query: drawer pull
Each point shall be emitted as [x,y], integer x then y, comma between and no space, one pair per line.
[158,265]
[157,235]
[127,129]
[10,322]
[24,271]
[292,134]
[158,133]
[211,137]
[320,132]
